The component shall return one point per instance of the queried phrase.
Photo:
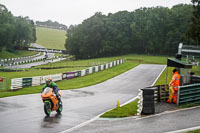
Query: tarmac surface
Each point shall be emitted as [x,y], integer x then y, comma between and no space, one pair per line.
[44,61]
[24,114]
[174,121]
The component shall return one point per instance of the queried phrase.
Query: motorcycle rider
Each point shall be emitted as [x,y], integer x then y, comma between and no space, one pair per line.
[51,84]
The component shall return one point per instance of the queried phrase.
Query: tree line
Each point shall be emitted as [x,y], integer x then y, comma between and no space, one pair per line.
[51,24]
[194,28]
[151,31]
[15,31]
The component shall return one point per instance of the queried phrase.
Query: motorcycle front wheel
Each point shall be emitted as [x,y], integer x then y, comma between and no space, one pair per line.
[47,108]
[60,108]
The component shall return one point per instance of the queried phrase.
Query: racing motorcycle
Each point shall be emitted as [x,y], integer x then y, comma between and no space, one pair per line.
[51,103]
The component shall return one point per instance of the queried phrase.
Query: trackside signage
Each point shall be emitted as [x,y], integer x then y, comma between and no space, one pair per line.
[69,75]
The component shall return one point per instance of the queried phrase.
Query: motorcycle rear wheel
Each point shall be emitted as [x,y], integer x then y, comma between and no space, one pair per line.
[47,108]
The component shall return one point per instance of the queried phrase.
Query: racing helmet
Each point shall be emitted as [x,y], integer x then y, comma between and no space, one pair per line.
[48,81]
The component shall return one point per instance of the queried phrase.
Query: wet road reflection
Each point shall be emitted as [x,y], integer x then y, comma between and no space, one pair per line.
[50,121]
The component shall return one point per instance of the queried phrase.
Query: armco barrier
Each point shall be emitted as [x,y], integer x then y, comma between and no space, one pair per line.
[54,77]
[188,94]
[99,68]
[18,83]
[4,83]
[36,81]
[86,71]
[90,70]
[69,75]
[96,68]
[79,73]
[82,72]
[26,82]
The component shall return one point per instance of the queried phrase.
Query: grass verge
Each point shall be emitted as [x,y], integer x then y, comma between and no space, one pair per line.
[124,111]
[77,82]
[19,53]
[196,131]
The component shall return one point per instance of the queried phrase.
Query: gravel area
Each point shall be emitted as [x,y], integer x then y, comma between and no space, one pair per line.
[163,106]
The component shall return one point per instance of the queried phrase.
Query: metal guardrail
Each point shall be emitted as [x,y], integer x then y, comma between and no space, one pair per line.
[188,94]
[17,83]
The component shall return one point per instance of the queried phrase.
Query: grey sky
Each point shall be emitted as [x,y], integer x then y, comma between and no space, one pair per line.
[75,11]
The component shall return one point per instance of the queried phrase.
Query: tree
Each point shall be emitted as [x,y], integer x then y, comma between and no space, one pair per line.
[15,31]
[156,31]
[194,28]
[6,27]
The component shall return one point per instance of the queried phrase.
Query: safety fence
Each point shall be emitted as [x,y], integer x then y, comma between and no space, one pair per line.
[188,94]
[21,60]
[18,83]
[4,83]
[149,96]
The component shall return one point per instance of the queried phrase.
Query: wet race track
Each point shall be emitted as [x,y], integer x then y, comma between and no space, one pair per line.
[24,114]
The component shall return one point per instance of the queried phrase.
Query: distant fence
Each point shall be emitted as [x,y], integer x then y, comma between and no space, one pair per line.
[21,60]
[18,83]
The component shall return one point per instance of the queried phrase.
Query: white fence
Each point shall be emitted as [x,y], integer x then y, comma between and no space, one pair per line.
[18,83]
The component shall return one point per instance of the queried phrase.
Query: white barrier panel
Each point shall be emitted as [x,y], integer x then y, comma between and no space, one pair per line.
[83,72]
[16,83]
[114,63]
[117,62]
[36,81]
[55,77]
[111,64]
[102,68]
[96,68]
[106,66]
[90,70]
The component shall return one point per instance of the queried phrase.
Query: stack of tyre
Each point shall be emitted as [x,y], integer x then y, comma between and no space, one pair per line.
[148,100]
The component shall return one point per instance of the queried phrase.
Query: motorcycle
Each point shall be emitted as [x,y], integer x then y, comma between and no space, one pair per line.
[51,103]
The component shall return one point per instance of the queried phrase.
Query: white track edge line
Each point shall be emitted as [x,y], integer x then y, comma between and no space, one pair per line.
[159,75]
[93,119]
[185,130]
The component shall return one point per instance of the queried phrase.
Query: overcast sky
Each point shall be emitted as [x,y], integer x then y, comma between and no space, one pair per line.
[75,11]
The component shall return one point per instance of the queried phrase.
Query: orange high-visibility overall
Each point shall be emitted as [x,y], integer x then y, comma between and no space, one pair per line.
[175,82]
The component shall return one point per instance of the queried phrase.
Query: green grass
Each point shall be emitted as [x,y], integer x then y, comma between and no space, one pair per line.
[196,131]
[5,54]
[51,38]
[131,61]
[35,72]
[162,79]
[77,82]
[124,111]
